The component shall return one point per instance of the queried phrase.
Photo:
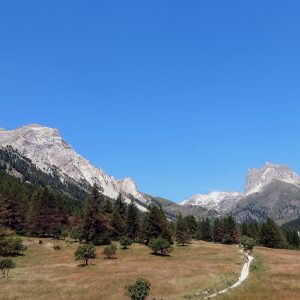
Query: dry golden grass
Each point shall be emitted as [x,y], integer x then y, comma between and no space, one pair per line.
[277,277]
[48,274]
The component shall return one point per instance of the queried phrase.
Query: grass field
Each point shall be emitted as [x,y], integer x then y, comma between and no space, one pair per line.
[275,276]
[44,273]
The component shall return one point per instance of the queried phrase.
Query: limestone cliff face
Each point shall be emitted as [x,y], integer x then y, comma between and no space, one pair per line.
[46,148]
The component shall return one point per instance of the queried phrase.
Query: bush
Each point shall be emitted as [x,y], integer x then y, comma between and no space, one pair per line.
[125,242]
[139,290]
[227,239]
[160,246]
[57,247]
[247,243]
[85,252]
[110,251]
[77,233]
[5,265]
[11,246]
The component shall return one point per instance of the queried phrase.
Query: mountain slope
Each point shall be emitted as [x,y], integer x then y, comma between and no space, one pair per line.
[53,155]
[257,179]
[279,200]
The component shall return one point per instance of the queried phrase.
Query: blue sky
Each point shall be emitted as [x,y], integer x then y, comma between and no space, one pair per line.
[182,96]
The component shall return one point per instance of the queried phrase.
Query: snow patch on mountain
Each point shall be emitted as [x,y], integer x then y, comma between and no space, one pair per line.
[220,201]
[48,151]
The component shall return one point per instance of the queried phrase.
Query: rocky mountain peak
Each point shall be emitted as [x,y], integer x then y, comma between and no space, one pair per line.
[46,148]
[259,178]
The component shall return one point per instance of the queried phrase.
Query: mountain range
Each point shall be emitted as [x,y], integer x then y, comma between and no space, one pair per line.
[272,191]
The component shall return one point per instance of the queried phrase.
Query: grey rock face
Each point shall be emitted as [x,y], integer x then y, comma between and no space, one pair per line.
[257,179]
[48,151]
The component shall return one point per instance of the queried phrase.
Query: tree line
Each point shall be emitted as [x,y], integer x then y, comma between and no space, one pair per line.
[41,212]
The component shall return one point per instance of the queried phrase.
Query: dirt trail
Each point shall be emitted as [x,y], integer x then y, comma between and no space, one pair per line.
[244,275]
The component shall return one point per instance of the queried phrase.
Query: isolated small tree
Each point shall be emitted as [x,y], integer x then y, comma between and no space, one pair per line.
[160,246]
[138,290]
[11,246]
[125,242]
[85,252]
[110,251]
[5,265]
[247,243]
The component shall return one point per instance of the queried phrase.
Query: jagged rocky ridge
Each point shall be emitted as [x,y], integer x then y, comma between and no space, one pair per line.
[272,191]
[53,155]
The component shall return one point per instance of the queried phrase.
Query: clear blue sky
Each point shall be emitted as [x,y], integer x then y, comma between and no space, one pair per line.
[182,96]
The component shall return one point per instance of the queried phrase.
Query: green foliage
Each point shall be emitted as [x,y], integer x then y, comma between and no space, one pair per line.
[182,231]
[191,225]
[257,266]
[155,224]
[138,290]
[95,220]
[5,265]
[227,239]
[125,242]
[133,221]
[77,233]
[160,246]
[85,252]
[206,230]
[11,246]
[117,223]
[247,243]
[271,235]
[110,251]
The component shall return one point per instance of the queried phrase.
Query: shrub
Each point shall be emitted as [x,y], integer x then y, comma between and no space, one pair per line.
[85,252]
[227,239]
[11,246]
[110,251]
[139,290]
[77,233]
[5,265]
[125,242]
[57,247]
[247,243]
[160,246]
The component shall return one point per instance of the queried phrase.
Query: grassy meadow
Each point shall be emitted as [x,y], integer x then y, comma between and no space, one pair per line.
[45,273]
[275,275]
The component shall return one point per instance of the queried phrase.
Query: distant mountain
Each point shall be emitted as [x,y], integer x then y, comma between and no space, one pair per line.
[53,155]
[219,201]
[257,179]
[279,200]
[272,191]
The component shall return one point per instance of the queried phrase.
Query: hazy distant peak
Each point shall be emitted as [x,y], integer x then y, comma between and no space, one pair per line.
[257,179]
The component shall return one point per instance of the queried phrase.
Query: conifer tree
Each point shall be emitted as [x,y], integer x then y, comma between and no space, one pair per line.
[155,224]
[182,231]
[132,221]
[230,229]
[117,223]
[218,231]
[120,206]
[271,235]
[206,230]
[95,220]
[191,224]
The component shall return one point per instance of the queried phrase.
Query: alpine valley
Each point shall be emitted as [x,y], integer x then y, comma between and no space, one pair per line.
[272,191]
